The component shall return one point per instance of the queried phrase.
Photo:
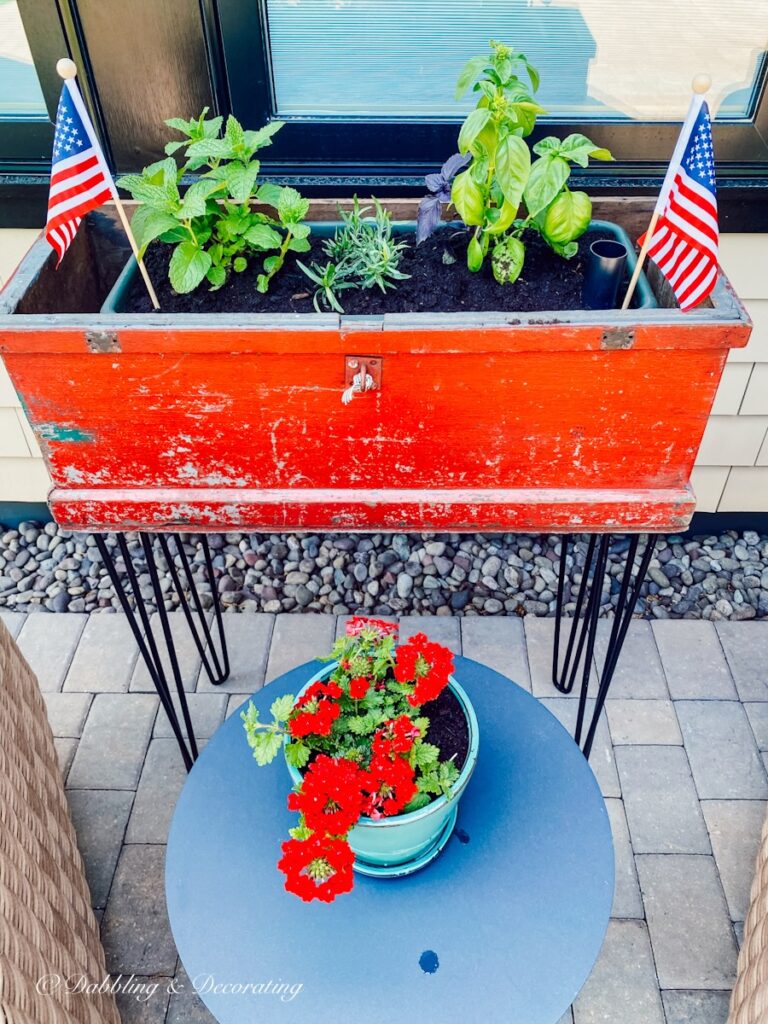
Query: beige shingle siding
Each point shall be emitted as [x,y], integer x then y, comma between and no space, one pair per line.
[731,472]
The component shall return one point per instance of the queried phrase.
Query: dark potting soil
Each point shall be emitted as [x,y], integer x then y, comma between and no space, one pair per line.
[439,282]
[448,727]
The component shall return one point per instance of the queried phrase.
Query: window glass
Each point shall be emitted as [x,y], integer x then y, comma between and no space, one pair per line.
[599,59]
[20,93]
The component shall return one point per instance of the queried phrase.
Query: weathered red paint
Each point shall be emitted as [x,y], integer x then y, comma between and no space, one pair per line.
[499,426]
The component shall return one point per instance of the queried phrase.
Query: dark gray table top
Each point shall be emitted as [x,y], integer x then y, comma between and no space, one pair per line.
[504,926]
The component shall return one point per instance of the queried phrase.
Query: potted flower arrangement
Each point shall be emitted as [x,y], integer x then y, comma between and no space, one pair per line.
[385,369]
[379,745]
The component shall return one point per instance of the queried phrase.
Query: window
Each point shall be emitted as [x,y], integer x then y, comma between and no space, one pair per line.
[20,92]
[366,86]
[597,59]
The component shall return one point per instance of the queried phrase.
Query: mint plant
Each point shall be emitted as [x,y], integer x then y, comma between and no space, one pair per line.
[501,177]
[362,254]
[212,226]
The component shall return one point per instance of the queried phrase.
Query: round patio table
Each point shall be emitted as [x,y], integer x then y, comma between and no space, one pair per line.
[505,924]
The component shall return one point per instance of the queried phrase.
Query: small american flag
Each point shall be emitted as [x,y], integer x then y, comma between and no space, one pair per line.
[80,180]
[684,243]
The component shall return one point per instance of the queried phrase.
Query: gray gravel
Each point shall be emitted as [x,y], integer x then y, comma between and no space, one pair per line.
[43,568]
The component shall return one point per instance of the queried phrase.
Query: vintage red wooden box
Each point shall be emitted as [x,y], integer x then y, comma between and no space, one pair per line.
[490,422]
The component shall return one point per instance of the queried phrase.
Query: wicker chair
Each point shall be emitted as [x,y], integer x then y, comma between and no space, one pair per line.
[749,999]
[47,927]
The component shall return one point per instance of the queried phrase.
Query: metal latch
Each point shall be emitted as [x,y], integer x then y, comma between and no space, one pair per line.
[361,374]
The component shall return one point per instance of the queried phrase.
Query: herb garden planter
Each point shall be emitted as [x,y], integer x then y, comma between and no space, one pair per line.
[568,420]
[397,846]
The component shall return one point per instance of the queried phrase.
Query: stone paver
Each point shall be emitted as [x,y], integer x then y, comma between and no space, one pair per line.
[296,639]
[13,621]
[161,780]
[627,901]
[693,942]
[441,629]
[105,656]
[100,817]
[498,643]
[734,829]
[643,721]
[693,660]
[187,656]
[746,649]
[248,644]
[622,986]
[114,741]
[601,760]
[758,719]
[638,671]
[696,1007]
[67,712]
[186,1007]
[144,1000]
[48,642]
[135,931]
[722,750]
[539,640]
[65,752]
[662,808]
[205,709]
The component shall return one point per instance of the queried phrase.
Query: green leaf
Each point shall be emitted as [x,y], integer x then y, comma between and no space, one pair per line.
[239,264]
[181,125]
[148,224]
[513,166]
[193,204]
[299,245]
[272,263]
[210,149]
[234,133]
[292,207]
[297,753]
[467,197]
[269,193]
[547,147]
[507,259]
[177,234]
[469,73]
[265,746]
[188,267]
[473,125]
[579,149]
[262,137]
[282,707]
[262,236]
[262,283]
[300,832]
[300,230]
[419,801]
[171,147]
[547,177]
[240,179]
[146,192]
[426,754]
[534,76]
[216,276]
[567,217]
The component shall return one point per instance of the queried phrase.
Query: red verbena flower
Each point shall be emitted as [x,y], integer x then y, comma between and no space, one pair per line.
[359,687]
[358,623]
[318,868]
[395,736]
[428,665]
[388,786]
[315,711]
[330,797]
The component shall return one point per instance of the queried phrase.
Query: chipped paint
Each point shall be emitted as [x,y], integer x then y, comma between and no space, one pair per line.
[62,432]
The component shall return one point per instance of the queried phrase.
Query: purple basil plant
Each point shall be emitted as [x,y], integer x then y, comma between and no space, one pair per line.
[439,185]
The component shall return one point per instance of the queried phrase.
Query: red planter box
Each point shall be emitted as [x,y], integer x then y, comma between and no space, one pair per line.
[491,422]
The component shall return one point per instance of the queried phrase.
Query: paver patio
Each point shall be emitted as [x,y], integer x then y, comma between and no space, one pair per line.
[680,755]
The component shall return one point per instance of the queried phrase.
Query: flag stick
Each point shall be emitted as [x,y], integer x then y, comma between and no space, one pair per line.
[700,85]
[68,69]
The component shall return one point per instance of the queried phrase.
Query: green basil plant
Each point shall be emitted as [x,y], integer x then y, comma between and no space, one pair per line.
[504,192]
[212,226]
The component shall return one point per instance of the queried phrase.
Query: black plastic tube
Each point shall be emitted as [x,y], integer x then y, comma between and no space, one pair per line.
[604,273]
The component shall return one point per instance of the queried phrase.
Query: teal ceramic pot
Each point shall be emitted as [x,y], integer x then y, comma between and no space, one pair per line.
[406,842]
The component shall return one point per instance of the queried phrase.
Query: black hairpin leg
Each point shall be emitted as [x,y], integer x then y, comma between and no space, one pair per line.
[580,646]
[215,663]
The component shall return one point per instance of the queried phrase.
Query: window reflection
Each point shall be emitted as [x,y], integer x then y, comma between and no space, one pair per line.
[20,93]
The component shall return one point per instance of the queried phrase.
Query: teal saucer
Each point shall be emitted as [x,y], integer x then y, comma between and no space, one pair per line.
[409,866]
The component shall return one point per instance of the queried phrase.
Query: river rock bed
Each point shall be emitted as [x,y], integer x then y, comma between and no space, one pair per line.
[725,576]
